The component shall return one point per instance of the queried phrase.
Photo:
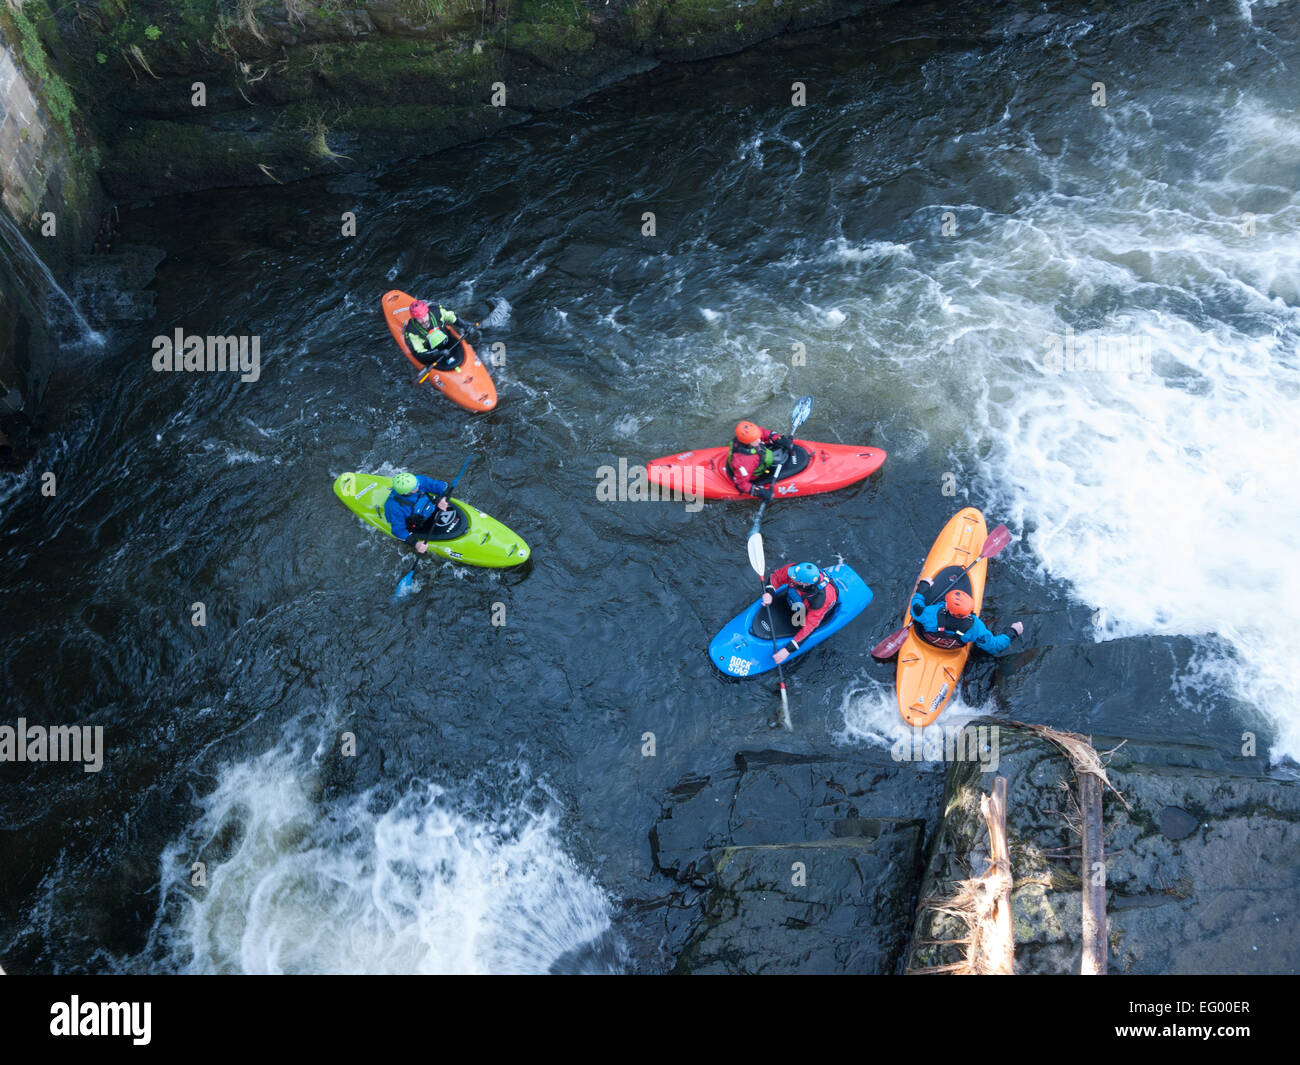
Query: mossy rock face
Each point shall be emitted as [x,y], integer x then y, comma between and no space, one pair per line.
[340,67]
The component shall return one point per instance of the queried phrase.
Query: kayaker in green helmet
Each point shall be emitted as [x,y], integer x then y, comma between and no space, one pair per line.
[429,342]
[410,511]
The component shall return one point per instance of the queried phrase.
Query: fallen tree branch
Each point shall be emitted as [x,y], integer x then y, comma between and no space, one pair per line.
[983,903]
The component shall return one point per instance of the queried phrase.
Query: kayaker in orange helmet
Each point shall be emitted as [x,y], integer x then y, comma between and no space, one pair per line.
[952,621]
[754,453]
[429,342]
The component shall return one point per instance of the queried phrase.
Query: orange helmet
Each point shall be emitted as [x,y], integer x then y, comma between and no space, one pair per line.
[748,433]
[959,604]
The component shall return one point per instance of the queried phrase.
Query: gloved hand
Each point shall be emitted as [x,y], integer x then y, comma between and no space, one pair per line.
[1017,627]
[767,598]
[762,491]
[448,317]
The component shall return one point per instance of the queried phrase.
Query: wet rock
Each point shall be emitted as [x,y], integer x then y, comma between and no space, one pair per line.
[112,287]
[808,863]
[1201,871]
[1176,823]
[828,906]
[337,88]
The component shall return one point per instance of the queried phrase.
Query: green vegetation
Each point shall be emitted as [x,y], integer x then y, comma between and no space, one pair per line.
[152,32]
[57,95]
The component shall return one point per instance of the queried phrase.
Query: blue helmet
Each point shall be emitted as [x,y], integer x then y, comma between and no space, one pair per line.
[805,573]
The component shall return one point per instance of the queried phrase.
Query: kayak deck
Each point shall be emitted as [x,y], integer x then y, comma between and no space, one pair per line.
[703,473]
[486,541]
[469,385]
[739,651]
[927,676]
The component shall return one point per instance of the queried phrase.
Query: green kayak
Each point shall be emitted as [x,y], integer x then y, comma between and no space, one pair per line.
[476,539]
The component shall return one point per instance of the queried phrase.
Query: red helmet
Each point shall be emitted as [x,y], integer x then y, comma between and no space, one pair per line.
[748,433]
[419,309]
[959,604]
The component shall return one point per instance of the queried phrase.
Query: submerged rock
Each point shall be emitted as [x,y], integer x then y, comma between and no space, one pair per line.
[112,287]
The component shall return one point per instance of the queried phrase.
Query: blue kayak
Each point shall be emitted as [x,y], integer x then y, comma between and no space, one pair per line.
[744,646]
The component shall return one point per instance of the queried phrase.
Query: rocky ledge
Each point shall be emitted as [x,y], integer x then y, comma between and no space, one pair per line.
[826,863]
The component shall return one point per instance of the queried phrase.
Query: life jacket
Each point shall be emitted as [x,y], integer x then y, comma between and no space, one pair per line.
[766,463]
[949,625]
[423,516]
[434,335]
[813,596]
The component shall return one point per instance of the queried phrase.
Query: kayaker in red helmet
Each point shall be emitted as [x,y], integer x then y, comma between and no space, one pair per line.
[425,336]
[808,588]
[754,453]
[952,621]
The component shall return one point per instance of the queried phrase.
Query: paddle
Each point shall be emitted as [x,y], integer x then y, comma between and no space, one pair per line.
[798,416]
[404,585]
[993,543]
[756,560]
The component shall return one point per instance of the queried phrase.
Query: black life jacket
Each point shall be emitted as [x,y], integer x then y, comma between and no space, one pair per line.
[766,462]
[948,623]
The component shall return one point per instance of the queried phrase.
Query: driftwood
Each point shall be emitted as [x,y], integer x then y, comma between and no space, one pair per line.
[1094,878]
[1090,772]
[983,903]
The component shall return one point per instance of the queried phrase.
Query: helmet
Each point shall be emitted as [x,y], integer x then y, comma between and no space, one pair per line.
[405,483]
[805,573]
[959,604]
[748,433]
[419,309]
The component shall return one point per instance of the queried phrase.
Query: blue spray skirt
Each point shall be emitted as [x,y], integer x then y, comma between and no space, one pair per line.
[738,651]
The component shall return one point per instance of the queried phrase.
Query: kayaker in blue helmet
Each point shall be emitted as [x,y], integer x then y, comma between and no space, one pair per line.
[429,342]
[808,587]
[410,512]
[952,621]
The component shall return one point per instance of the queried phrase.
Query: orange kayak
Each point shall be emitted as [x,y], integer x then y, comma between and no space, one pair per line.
[469,385]
[928,675]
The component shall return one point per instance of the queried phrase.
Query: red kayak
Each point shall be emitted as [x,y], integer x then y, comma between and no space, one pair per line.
[812,468]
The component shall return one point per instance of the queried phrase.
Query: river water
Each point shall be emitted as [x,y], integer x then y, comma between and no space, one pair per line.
[1079,316]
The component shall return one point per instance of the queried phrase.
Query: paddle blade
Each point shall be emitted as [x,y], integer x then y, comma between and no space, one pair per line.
[888,647]
[785,710]
[405,585]
[800,414]
[756,559]
[996,541]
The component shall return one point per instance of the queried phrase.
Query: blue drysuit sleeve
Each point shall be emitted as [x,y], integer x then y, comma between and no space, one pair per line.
[396,516]
[980,635]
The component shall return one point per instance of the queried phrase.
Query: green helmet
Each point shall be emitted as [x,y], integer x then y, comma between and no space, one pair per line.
[405,483]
